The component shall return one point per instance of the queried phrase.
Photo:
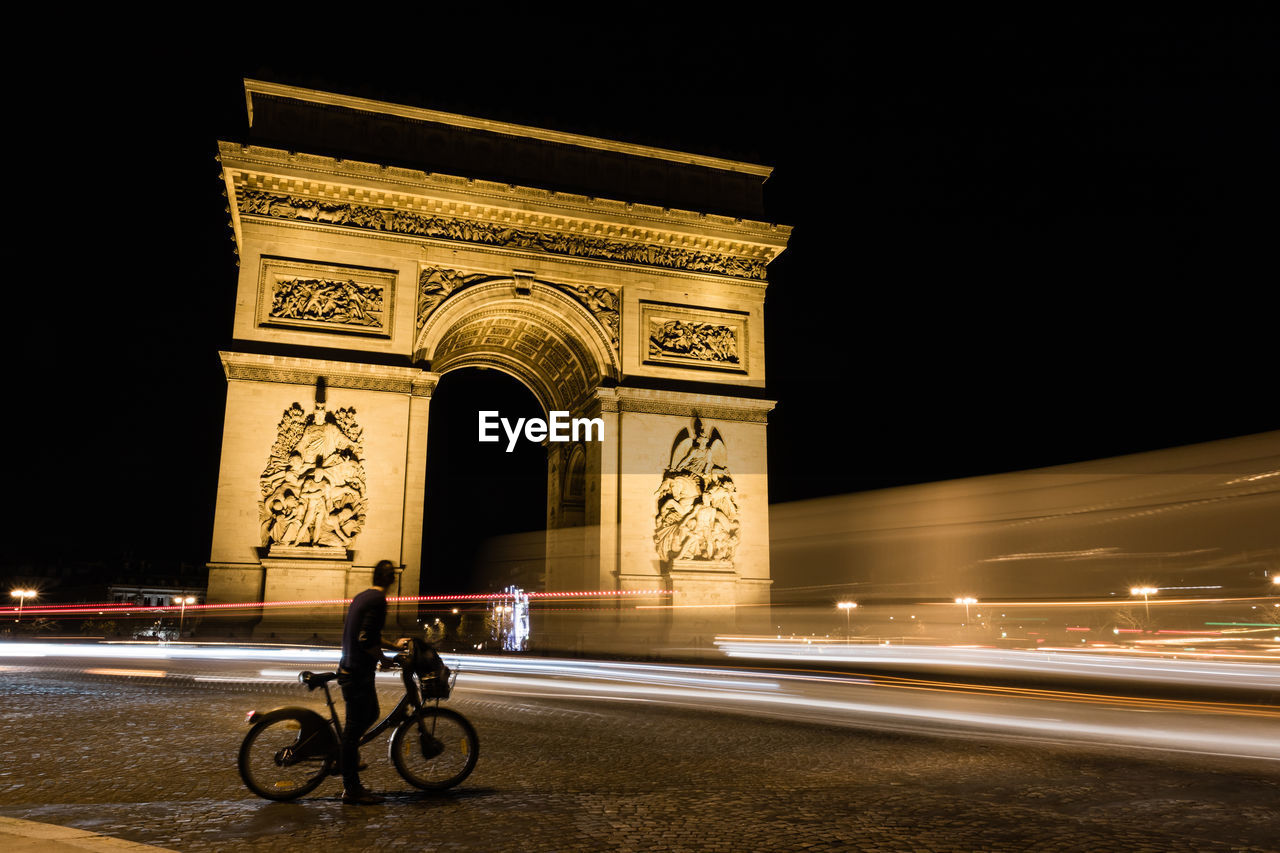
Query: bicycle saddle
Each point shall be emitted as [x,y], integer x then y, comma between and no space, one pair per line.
[316,679]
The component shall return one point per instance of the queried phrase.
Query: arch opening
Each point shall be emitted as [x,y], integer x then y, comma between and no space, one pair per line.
[484,516]
[537,333]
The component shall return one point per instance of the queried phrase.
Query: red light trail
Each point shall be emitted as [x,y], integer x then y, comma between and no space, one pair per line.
[113,608]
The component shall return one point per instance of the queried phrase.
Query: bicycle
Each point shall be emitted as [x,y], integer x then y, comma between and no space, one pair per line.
[288,752]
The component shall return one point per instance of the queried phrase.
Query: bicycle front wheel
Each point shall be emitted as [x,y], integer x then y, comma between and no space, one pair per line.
[286,757]
[435,749]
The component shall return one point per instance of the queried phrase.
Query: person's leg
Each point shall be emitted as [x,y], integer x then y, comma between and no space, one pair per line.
[361,698]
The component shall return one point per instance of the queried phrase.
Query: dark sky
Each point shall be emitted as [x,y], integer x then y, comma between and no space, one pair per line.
[1017,242]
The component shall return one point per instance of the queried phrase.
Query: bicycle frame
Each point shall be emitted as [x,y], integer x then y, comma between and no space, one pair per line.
[301,736]
[397,715]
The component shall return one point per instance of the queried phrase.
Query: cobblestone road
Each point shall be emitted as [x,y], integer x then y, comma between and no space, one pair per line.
[155,763]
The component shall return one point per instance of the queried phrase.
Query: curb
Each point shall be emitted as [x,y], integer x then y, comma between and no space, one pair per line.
[22,836]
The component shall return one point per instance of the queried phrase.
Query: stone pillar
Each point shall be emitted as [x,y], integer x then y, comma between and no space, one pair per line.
[603,488]
[390,414]
[708,592]
[415,489]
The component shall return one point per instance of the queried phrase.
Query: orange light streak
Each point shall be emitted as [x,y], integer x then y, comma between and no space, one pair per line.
[1107,602]
[142,673]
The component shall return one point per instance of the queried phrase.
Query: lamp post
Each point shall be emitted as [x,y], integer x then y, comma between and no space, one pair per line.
[22,595]
[846,606]
[184,600]
[1145,592]
[966,601]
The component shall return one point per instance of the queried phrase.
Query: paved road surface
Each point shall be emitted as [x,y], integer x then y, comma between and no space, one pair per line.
[152,760]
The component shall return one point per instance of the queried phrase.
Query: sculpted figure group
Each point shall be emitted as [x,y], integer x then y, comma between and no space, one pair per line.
[327,300]
[703,341]
[602,303]
[697,510]
[313,488]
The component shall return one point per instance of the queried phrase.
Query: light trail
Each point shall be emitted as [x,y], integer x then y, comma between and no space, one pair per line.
[115,608]
[1063,661]
[1103,602]
[918,705]
[167,651]
[128,673]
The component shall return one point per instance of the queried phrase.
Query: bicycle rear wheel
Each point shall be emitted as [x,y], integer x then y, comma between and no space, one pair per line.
[438,755]
[286,757]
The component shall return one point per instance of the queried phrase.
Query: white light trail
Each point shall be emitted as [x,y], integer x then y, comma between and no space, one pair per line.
[932,707]
[1066,662]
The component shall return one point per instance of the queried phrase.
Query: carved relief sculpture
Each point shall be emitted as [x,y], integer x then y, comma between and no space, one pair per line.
[435,285]
[313,488]
[602,302]
[283,206]
[702,341]
[327,300]
[697,510]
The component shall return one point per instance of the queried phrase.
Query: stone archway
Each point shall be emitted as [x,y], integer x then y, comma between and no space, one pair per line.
[540,333]
[361,284]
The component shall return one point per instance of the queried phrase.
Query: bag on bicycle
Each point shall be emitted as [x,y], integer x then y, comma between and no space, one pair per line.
[430,669]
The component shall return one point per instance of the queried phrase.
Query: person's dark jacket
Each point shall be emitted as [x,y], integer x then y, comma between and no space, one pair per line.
[362,632]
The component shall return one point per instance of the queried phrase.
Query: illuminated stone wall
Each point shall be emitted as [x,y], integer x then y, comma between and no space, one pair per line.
[363,283]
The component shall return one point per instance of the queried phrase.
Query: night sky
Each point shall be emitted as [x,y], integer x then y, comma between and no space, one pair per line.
[1017,243]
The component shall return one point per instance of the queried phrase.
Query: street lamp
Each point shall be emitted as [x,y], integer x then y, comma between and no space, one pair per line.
[1145,592]
[22,595]
[184,600]
[846,606]
[966,601]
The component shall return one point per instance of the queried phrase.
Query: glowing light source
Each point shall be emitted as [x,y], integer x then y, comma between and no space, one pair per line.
[511,620]
[22,595]
[1145,592]
[183,601]
[846,606]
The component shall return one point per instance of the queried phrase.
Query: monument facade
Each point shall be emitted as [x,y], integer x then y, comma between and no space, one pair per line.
[567,262]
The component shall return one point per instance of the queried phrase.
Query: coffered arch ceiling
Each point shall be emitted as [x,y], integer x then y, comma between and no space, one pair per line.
[533,331]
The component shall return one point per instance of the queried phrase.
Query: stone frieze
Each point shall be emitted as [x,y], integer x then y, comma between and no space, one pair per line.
[375,218]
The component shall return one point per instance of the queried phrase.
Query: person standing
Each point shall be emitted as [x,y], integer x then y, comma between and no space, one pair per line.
[362,657]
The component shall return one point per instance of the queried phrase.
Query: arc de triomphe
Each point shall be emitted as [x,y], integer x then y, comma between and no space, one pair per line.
[363,280]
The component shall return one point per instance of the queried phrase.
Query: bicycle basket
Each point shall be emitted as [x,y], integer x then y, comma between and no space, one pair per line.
[437,685]
[432,673]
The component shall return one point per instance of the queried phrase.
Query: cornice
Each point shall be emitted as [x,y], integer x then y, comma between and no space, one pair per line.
[337,374]
[710,406]
[252,159]
[424,384]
